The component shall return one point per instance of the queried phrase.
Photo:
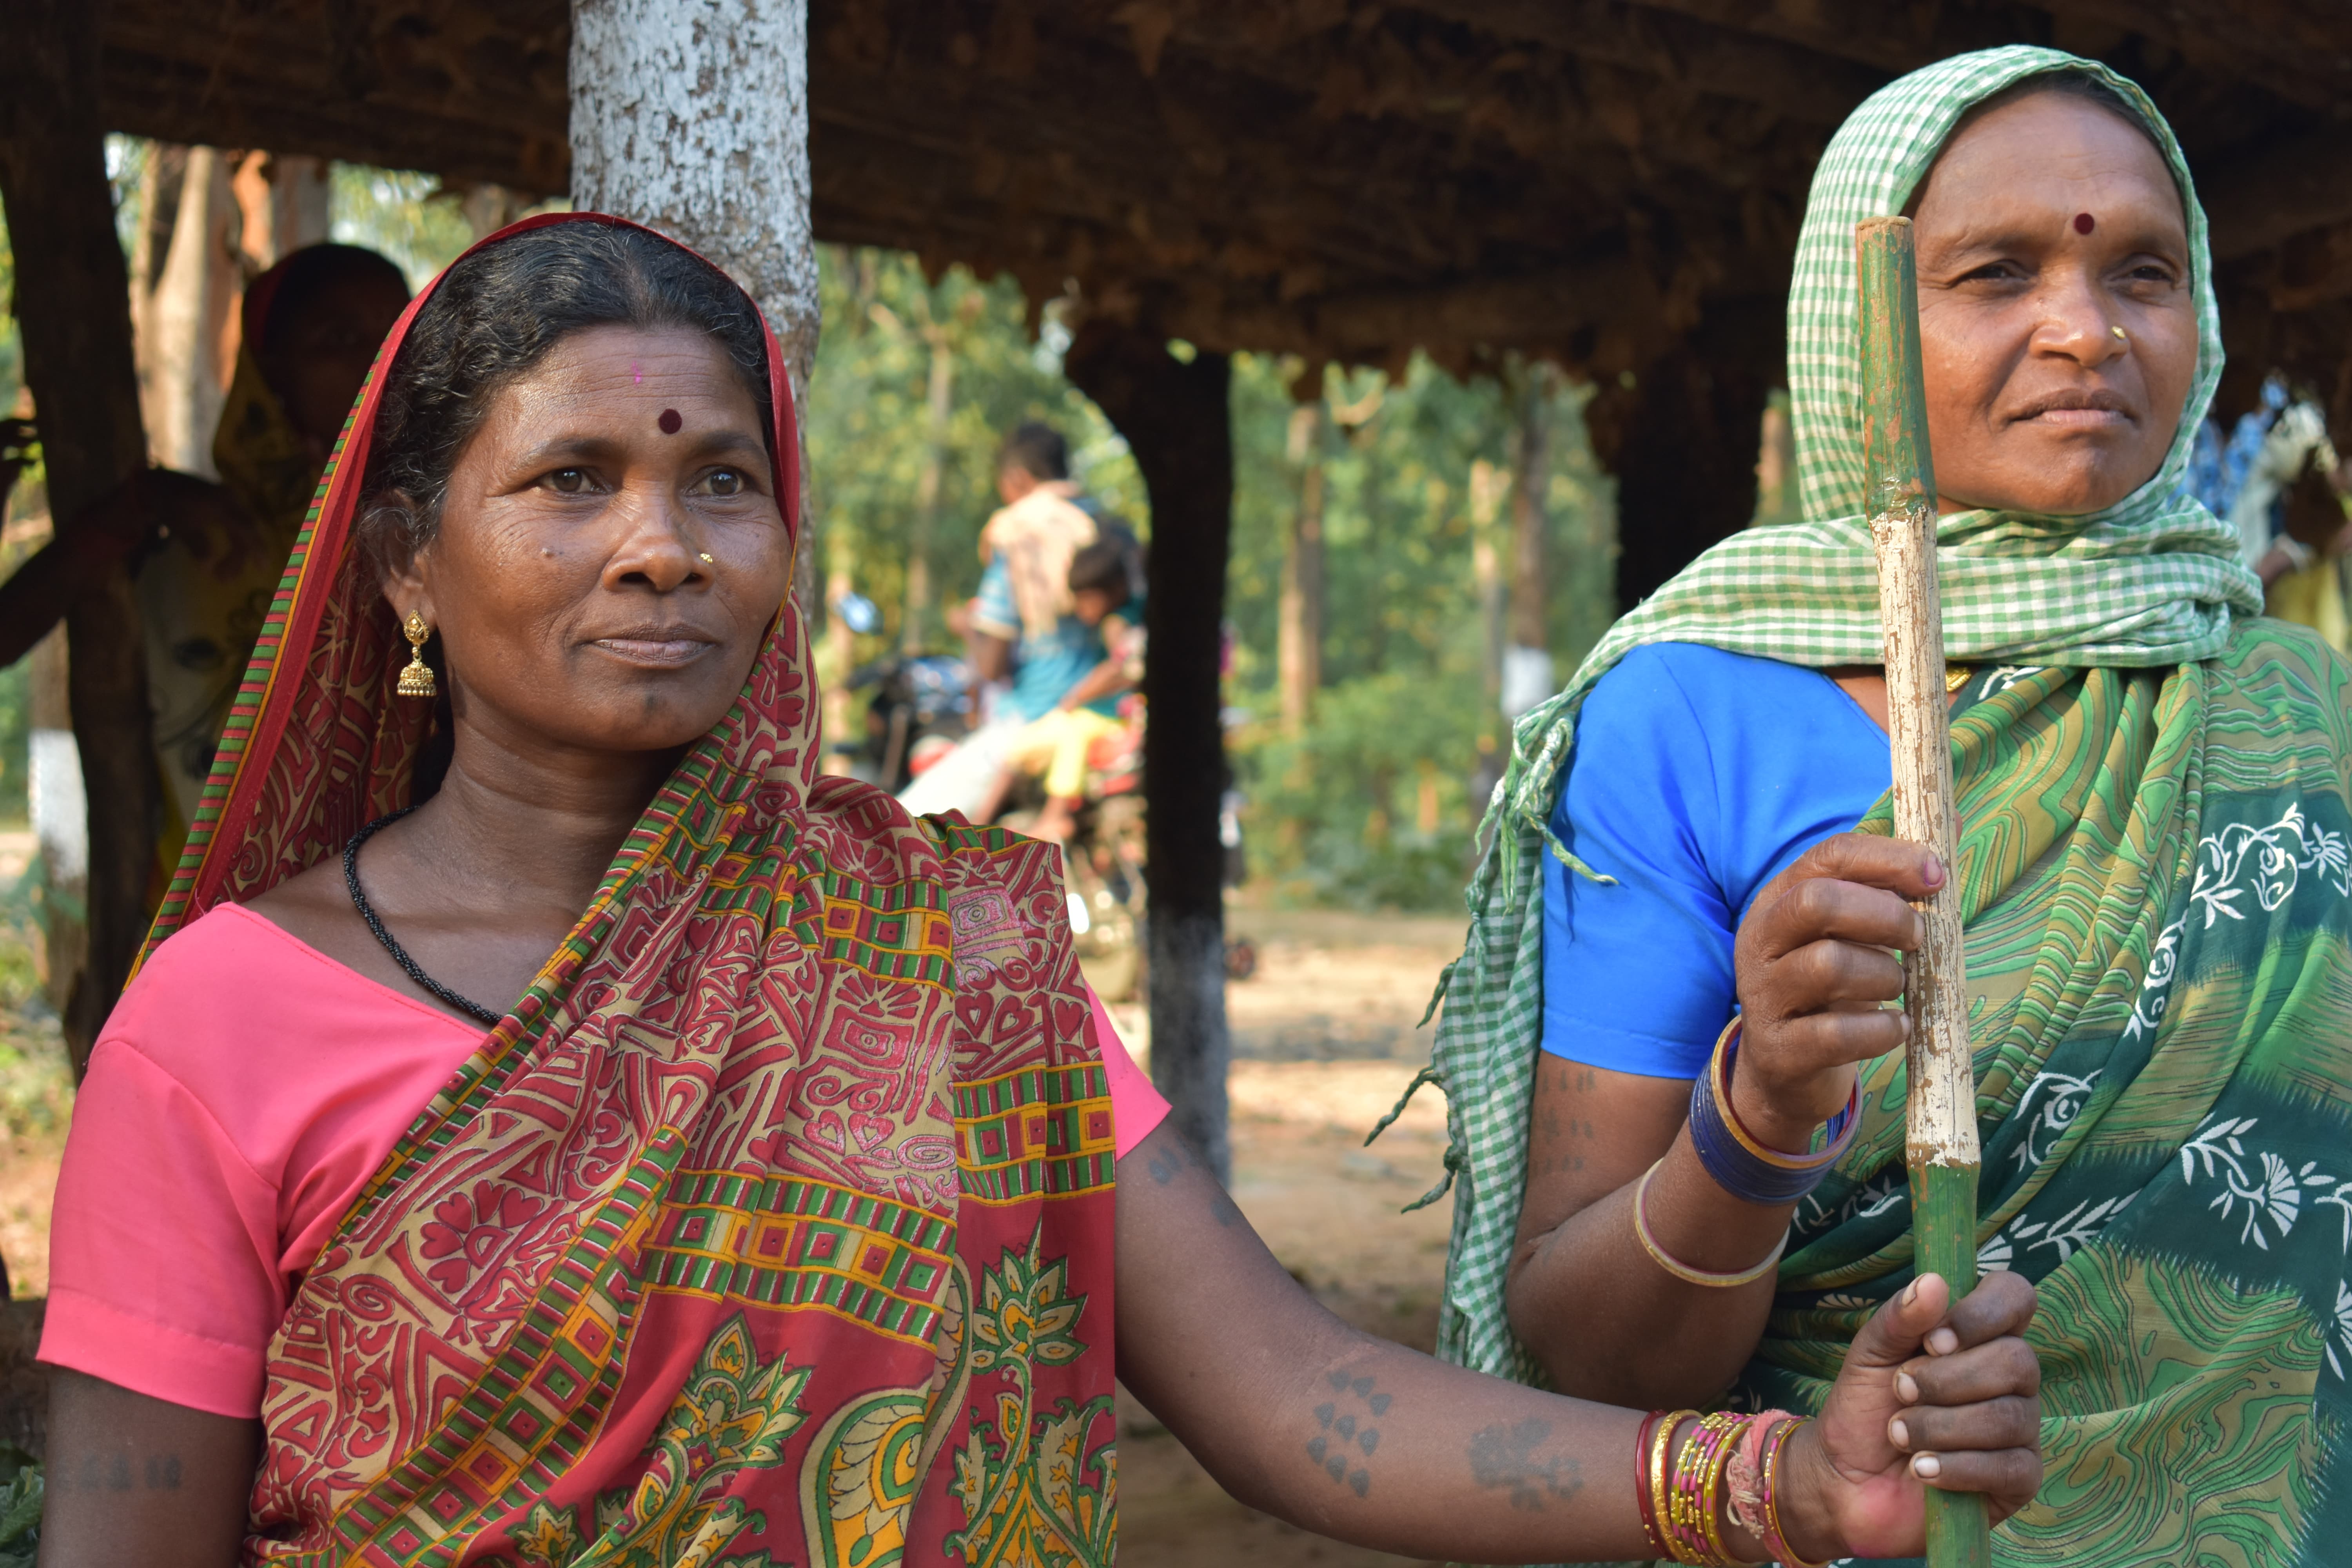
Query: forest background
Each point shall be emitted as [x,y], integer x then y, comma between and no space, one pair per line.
[1364,759]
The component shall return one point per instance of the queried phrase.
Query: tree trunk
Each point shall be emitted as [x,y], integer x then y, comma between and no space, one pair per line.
[1526,654]
[284,200]
[1488,486]
[72,293]
[1298,651]
[1176,415]
[914,621]
[693,119]
[186,326]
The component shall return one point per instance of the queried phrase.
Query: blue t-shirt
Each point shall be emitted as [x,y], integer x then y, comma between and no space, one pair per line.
[1044,667]
[1700,776]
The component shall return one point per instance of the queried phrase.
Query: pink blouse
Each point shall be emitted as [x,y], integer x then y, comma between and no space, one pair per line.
[244,1090]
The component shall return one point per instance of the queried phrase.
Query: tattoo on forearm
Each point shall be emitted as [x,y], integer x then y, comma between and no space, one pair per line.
[1348,1434]
[116,1473]
[1558,1151]
[1504,1458]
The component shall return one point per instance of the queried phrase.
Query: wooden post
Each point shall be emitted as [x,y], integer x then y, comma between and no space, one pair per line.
[72,307]
[1176,415]
[1941,1145]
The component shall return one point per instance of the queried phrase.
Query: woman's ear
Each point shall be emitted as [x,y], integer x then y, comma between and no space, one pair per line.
[388,533]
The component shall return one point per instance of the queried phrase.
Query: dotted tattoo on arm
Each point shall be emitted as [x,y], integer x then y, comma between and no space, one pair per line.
[113,1473]
[1348,1435]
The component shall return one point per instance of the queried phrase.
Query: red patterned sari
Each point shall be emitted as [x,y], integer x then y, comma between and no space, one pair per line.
[774,1223]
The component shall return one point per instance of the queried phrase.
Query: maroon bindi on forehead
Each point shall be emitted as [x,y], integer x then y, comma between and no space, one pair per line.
[2085,223]
[669,421]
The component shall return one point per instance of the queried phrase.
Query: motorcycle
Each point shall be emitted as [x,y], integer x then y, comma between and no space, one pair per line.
[920,706]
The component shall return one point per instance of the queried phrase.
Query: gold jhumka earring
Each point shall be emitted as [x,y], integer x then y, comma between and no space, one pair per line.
[416,678]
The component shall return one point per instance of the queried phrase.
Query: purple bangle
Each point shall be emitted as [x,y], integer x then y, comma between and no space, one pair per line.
[1748,1169]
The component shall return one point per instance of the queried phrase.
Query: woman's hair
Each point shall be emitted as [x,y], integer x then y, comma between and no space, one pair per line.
[497,314]
[1101,568]
[299,281]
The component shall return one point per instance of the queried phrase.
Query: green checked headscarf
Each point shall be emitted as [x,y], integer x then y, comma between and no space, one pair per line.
[2156,872]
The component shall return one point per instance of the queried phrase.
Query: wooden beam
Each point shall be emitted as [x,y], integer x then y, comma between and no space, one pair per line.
[470,92]
[1177,419]
[1700,55]
[73,310]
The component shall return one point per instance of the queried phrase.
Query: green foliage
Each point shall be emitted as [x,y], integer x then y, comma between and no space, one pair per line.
[1337,813]
[400,214]
[36,1083]
[1377,801]
[868,423]
[20,1508]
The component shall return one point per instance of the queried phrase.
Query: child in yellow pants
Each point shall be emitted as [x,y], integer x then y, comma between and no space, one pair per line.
[1101,590]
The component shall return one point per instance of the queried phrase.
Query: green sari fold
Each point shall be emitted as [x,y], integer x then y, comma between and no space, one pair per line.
[2156,875]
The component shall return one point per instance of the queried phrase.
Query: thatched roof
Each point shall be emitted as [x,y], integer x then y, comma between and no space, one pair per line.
[1341,177]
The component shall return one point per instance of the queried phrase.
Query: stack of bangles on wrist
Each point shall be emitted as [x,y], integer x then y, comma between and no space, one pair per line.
[1727,1465]
[1743,1164]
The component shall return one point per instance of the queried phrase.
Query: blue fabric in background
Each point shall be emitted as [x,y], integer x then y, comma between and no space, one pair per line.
[1044,667]
[1700,775]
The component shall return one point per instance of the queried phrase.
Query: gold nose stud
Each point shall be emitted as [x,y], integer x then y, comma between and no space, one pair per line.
[706,554]
[2121,336]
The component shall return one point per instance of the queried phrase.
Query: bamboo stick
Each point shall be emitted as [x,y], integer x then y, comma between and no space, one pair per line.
[1941,1127]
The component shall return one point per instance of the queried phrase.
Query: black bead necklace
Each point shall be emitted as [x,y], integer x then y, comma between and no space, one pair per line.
[399,954]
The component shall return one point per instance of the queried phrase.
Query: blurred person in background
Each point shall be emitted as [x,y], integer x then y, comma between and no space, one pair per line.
[1028,646]
[2278,479]
[1056,744]
[204,558]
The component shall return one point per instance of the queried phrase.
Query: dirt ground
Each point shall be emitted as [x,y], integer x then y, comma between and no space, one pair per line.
[1324,1041]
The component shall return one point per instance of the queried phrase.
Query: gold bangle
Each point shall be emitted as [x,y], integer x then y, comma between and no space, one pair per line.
[1661,1477]
[1684,1271]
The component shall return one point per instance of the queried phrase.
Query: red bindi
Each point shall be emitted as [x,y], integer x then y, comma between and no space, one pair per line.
[669,421]
[2085,223]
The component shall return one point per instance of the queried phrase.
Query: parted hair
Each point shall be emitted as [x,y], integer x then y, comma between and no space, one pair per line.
[499,313]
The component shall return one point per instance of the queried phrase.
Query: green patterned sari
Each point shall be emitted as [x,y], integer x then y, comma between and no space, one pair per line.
[2154,870]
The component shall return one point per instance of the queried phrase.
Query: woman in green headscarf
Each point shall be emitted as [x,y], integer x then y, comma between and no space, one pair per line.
[2152,869]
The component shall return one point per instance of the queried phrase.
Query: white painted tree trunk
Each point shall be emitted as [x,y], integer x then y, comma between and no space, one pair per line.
[691,117]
